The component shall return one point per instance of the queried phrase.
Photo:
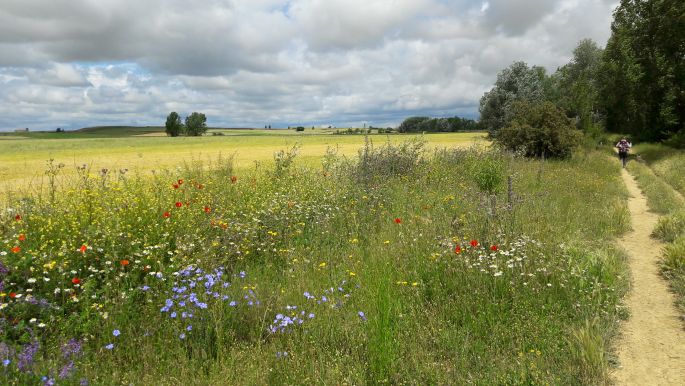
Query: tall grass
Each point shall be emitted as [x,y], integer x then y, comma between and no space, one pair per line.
[421,275]
[661,197]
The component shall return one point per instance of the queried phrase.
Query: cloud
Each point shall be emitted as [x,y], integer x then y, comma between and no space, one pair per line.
[73,63]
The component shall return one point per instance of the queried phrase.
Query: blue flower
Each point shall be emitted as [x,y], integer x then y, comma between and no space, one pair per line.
[109,346]
[6,362]
[145,288]
[116,332]
[182,336]
[311,315]
[189,328]
[362,315]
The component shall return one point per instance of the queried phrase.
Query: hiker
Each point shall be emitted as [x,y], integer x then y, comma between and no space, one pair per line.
[623,147]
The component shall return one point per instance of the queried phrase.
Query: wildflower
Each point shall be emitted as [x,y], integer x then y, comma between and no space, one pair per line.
[362,315]
[145,288]
[182,336]
[66,370]
[116,332]
[124,262]
[493,248]
[457,249]
[234,179]
[6,362]
[22,237]
[17,218]
[207,209]
[83,248]
[179,204]
[13,295]
[474,243]
[398,221]
[75,281]
[109,346]
[189,328]
[180,182]
[166,215]
[175,186]
[16,249]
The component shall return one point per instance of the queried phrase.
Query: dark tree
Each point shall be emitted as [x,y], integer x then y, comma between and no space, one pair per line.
[174,127]
[196,124]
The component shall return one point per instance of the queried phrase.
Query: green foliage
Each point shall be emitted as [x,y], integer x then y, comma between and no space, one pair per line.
[174,127]
[284,160]
[642,72]
[411,124]
[660,195]
[196,124]
[389,160]
[518,82]
[670,227]
[539,130]
[575,87]
[487,170]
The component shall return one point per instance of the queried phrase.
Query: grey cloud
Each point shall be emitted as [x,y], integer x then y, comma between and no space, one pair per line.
[81,62]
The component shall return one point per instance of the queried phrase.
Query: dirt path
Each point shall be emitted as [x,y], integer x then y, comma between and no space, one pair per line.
[651,350]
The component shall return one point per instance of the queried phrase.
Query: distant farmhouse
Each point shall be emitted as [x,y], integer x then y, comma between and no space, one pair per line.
[26,130]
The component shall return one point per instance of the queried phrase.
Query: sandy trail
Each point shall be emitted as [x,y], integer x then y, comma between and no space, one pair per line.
[651,349]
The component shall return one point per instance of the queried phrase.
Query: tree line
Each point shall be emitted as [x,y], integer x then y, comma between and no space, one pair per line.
[635,86]
[195,125]
[432,125]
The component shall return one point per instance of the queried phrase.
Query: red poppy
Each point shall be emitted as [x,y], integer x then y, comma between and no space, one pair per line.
[234,179]
[457,249]
[207,209]
[398,221]
[17,217]
[200,186]
[474,243]
[76,280]
[175,186]
[493,247]
[166,215]
[124,262]
[22,237]
[179,204]
[83,248]
[180,182]
[16,249]
[13,295]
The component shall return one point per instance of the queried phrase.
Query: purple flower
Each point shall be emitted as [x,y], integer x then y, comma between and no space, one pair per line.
[144,288]
[109,346]
[26,357]
[71,348]
[116,332]
[311,315]
[66,370]
[362,315]
[6,362]
[189,328]
[182,336]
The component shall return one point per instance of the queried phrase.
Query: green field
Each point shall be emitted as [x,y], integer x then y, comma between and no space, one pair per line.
[402,265]
[23,158]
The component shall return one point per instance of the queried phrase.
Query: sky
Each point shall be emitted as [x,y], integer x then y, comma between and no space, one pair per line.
[251,63]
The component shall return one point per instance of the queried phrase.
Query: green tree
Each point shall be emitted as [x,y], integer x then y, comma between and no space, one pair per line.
[574,86]
[411,124]
[196,124]
[642,75]
[174,127]
[539,130]
[517,82]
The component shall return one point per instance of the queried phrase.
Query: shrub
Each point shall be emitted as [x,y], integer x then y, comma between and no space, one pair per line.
[540,130]
[388,160]
[196,124]
[174,127]
[670,227]
[299,128]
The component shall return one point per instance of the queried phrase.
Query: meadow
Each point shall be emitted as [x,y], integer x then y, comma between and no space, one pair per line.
[402,262]
[23,156]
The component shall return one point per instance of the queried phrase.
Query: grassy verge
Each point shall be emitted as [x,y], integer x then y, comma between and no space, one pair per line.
[660,180]
[399,267]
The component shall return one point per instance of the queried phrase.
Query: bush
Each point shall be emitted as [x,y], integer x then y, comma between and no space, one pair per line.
[299,128]
[388,160]
[196,124]
[540,130]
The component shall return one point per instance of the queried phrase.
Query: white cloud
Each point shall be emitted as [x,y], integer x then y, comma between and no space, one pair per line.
[72,63]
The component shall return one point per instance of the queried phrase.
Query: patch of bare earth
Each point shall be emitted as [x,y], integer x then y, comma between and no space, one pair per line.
[651,350]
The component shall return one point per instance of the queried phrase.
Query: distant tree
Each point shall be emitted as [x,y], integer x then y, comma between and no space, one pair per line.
[518,82]
[299,128]
[539,130]
[196,124]
[411,124]
[174,127]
